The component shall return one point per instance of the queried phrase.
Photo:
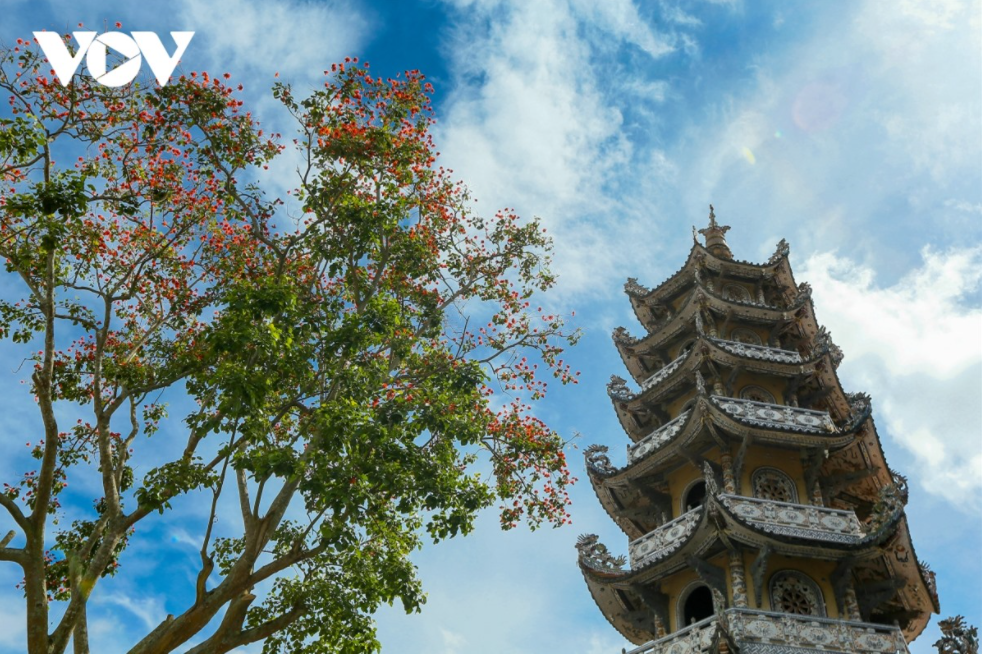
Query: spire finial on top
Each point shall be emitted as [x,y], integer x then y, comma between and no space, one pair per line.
[715,235]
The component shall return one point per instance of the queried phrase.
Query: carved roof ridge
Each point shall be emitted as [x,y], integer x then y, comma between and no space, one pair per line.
[871,533]
[714,349]
[702,527]
[699,294]
[699,255]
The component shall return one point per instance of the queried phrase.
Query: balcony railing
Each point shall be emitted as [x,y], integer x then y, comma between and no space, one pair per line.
[671,367]
[655,544]
[761,632]
[656,439]
[776,416]
[760,352]
[695,638]
[800,520]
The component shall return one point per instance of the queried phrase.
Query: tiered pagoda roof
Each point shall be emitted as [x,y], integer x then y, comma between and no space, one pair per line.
[733,389]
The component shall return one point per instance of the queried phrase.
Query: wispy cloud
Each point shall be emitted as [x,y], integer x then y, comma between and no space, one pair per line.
[536,120]
[149,610]
[297,38]
[452,642]
[916,346]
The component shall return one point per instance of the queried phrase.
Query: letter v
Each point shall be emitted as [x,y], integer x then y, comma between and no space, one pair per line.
[153,51]
[58,55]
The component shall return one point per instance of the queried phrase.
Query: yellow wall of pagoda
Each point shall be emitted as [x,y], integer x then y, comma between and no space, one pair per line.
[674,587]
[787,461]
[734,326]
[679,481]
[818,571]
[773,385]
[674,408]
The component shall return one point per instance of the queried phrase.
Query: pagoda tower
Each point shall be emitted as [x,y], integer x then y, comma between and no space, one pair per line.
[761,514]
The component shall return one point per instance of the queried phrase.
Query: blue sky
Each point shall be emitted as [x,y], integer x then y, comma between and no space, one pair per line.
[852,129]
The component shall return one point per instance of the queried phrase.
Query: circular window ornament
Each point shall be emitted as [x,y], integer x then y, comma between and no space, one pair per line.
[795,593]
[756,394]
[772,484]
[736,292]
[744,335]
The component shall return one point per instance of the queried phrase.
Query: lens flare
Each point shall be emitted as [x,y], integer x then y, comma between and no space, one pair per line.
[749,156]
[818,106]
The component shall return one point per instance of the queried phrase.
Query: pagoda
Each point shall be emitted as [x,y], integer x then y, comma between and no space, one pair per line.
[761,514]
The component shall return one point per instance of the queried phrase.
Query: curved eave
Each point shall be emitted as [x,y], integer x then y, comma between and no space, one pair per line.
[808,543]
[719,350]
[800,309]
[612,605]
[917,592]
[799,436]
[777,265]
[625,402]
[607,494]
[667,561]
[607,482]
[680,448]
[624,406]
[869,452]
[641,299]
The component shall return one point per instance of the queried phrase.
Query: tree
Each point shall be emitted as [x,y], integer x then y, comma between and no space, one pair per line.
[342,348]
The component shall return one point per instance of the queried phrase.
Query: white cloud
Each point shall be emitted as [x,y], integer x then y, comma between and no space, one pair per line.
[961,205]
[149,610]
[181,536]
[830,136]
[621,20]
[298,38]
[916,346]
[917,326]
[926,112]
[452,642]
[933,13]
[536,121]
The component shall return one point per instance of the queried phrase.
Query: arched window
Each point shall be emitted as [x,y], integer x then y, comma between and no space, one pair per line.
[696,604]
[772,484]
[744,335]
[736,292]
[796,593]
[694,495]
[757,394]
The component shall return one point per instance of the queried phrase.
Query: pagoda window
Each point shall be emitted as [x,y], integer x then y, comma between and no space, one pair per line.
[796,593]
[736,292]
[696,604]
[772,484]
[744,335]
[757,394]
[694,496]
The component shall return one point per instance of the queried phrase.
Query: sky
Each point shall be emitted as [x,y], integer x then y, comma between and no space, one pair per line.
[851,128]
